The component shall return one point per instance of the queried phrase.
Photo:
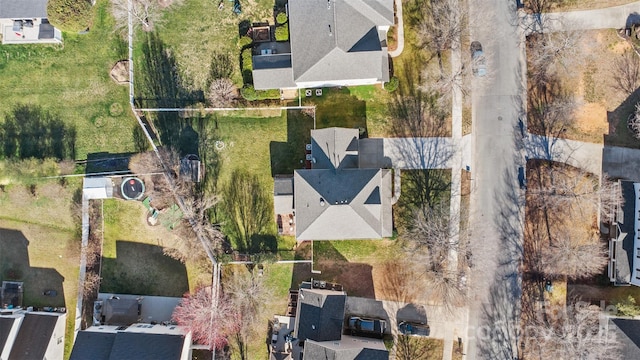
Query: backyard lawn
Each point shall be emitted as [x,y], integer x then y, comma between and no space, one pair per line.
[133,261]
[72,81]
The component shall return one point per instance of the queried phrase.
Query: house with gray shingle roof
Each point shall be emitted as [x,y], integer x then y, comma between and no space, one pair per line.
[332,43]
[25,22]
[31,334]
[138,341]
[337,198]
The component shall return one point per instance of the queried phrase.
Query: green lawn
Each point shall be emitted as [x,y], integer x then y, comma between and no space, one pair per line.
[132,260]
[197,29]
[72,81]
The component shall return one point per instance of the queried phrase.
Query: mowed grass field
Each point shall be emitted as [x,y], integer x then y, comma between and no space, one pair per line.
[40,244]
[72,80]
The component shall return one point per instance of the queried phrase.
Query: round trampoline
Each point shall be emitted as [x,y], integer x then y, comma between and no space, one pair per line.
[132,188]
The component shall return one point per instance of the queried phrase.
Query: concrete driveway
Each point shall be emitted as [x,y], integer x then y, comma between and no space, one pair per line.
[441,322]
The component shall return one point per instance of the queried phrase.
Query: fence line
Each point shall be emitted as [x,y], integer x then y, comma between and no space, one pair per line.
[225,109]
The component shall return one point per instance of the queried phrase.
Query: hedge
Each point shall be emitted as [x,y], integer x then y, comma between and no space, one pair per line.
[251,94]
[69,15]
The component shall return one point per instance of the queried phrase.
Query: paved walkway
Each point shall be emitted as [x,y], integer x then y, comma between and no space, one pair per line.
[400,31]
[615,17]
[419,153]
[583,155]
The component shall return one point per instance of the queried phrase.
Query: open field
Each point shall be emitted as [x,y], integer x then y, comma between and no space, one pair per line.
[72,81]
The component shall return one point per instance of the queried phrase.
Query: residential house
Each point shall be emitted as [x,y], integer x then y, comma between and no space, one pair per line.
[31,335]
[332,43]
[316,330]
[624,244]
[138,341]
[25,22]
[337,198]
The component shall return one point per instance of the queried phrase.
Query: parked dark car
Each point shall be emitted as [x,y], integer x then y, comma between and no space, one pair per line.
[478,61]
[367,326]
[409,328]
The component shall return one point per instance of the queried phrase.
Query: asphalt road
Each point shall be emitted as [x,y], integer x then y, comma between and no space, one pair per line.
[497,201]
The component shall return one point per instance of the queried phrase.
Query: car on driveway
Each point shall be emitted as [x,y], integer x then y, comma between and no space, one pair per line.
[375,327]
[415,329]
[478,60]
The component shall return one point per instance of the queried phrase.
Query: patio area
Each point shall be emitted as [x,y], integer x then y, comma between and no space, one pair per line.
[30,32]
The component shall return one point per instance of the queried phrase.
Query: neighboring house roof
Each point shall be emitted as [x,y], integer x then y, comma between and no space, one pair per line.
[628,334]
[320,315]
[23,9]
[6,324]
[140,346]
[33,336]
[120,311]
[112,344]
[338,39]
[625,244]
[336,199]
[92,345]
[273,71]
[348,348]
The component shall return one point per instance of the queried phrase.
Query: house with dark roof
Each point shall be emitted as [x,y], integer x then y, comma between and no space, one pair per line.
[346,348]
[624,241]
[320,314]
[138,341]
[339,197]
[31,335]
[25,22]
[316,330]
[332,43]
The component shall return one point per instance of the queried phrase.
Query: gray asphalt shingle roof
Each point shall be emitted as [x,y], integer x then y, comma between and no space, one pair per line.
[314,350]
[320,315]
[92,345]
[6,323]
[336,199]
[33,336]
[628,334]
[23,9]
[141,346]
[331,40]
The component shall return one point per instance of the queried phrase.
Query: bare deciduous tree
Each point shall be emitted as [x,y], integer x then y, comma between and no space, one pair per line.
[442,25]
[222,92]
[91,283]
[626,72]
[634,122]
[573,258]
[610,198]
[575,333]
[413,348]
[248,294]
[429,233]
[210,325]
[145,13]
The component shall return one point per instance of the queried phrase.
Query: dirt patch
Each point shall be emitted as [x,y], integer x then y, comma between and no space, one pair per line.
[120,72]
[592,119]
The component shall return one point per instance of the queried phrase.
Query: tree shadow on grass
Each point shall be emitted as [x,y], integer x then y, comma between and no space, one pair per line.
[161,85]
[356,278]
[619,133]
[107,162]
[15,266]
[29,131]
[143,269]
[290,155]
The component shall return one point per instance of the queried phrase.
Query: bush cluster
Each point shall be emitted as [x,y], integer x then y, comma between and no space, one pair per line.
[392,84]
[69,15]
[281,18]
[282,33]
